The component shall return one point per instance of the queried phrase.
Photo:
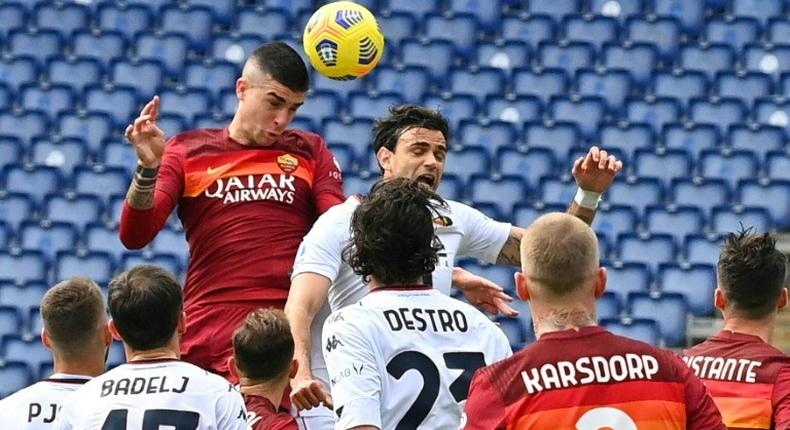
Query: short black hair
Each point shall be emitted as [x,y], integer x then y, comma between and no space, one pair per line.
[392,232]
[751,273]
[388,129]
[145,303]
[283,64]
[263,345]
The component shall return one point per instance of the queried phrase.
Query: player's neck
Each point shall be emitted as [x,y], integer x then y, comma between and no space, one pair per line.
[551,318]
[271,391]
[163,353]
[375,284]
[763,328]
[85,366]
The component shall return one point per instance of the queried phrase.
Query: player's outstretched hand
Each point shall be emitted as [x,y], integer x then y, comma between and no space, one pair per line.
[147,139]
[483,293]
[596,171]
[308,393]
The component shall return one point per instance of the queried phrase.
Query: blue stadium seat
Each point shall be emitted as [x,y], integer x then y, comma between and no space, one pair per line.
[628,277]
[532,29]
[560,137]
[398,26]
[722,112]
[516,331]
[265,23]
[24,125]
[487,13]
[10,150]
[13,15]
[690,14]
[555,9]
[506,55]
[500,274]
[78,210]
[50,99]
[33,352]
[675,221]
[93,264]
[557,191]
[145,76]
[125,19]
[704,193]
[491,210]
[36,181]
[525,213]
[735,32]
[459,28]
[39,44]
[14,376]
[5,234]
[777,165]
[102,182]
[64,18]
[341,88]
[744,86]
[100,45]
[593,29]
[729,166]
[364,105]
[169,48]
[355,184]
[24,297]
[120,101]
[16,207]
[607,306]
[710,58]
[172,242]
[90,127]
[693,138]
[322,104]
[416,7]
[770,59]
[587,111]
[6,97]
[345,157]
[467,161]
[620,9]
[640,59]
[530,165]
[10,321]
[454,108]
[654,111]
[627,137]
[170,262]
[760,139]
[490,135]
[18,70]
[64,153]
[410,81]
[99,237]
[778,30]
[774,112]
[115,355]
[699,248]
[187,102]
[227,103]
[669,310]
[613,220]
[515,109]
[27,265]
[682,85]
[356,134]
[568,56]
[649,249]
[696,282]
[757,9]
[543,83]
[198,19]
[114,209]
[233,47]
[220,120]
[665,165]
[774,195]
[172,124]
[74,72]
[612,85]
[727,219]
[663,31]
[641,329]
[451,187]
[784,86]
[222,10]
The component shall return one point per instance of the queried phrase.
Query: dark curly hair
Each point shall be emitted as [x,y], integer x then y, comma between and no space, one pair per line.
[388,129]
[392,235]
[752,273]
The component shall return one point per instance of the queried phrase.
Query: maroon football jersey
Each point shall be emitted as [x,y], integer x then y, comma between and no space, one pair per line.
[261,415]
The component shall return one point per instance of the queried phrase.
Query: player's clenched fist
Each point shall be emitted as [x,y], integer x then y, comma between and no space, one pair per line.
[308,393]
[148,139]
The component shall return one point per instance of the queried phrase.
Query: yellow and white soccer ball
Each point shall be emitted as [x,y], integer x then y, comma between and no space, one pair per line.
[343,40]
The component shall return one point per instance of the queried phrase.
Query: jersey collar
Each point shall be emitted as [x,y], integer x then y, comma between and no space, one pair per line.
[417,287]
[66,378]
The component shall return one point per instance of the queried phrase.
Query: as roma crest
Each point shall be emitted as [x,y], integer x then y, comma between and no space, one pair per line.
[288,163]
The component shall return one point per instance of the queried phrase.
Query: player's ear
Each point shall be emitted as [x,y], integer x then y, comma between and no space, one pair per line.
[241,88]
[384,156]
[521,286]
[45,338]
[106,335]
[720,299]
[182,323]
[293,370]
[600,281]
[232,369]
[114,331]
[782,299]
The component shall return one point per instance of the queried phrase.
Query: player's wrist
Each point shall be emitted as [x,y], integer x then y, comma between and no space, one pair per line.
[587,199]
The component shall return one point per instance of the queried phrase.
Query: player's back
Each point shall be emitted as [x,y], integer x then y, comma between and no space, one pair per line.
[36,407]
[154,393]
[414,349]
[748,378]
[589,379]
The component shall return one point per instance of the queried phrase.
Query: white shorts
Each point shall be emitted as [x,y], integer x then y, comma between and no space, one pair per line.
[320,418]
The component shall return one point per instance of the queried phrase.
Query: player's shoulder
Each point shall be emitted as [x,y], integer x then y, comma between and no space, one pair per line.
[352,317]
[21,396]
[303,138]
[338,216]
[206,379]
[195,137]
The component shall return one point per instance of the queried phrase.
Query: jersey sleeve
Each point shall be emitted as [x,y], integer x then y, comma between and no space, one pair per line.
[328,181]
[353,371]
[230,410]
[483,237]
[781,399]
[701,411]
[484,409]
[139,227]
[321,250]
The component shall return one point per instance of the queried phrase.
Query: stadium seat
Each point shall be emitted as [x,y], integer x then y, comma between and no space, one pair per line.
[50,99]
[641,329]
[48,237]
[345,157]
[627,138]
[557,191]
[681,85]
[778,30]
[172,124]
[710,58]
[454,108]
[543,83]
[530,165]
[663,31]
[459,28]
[770,59]
[640,59]
[398,26]
[27,265]
[233,47]
[119,154]
[619,9]
[170,262]
[690,137]
[265,23]
[760,139]
[480,83]
[10,321]
[559,137]
[17,70]
[774,112]
[188,102]
[356,134]
[777,165]
[198,19]
[515,329]
[525,213]
[169,48]
[690,14]
[64,18]
[744,86]
[411,82]
[33,352]
[93,264]
[10,150]
[532,29]
[170,241]
[99,237]
[487,13]
[16,207]
[607,306]
[323,104]
[704,193]
[696,282]
[593,29]
[613,220]
[722,112]
[735,32]
[14,376]
[727,219]
[101,45]
[341,88]
[115,355]
[24,125]
[516,109]
[75,72]
[91,127]
[364,105]
[416,7]
[450,188]
[612,85]
[36,181]
[25,297]
[102,182]
[656,112]
[506,55]
[467,161]
[665,164]
[730,166]
[757,9]
[5,235]
[13,15]
[145,76]
[669,310]
[555,9]
[126,19]
[497,273]
[119,101]
[39,44]
[628,277]
[568,56]
[354,184]
[222,10]
[491,135]
[78,210]
[675,221]
[650,249]
[774,195]
[699,248]
[587,111]
[219,120]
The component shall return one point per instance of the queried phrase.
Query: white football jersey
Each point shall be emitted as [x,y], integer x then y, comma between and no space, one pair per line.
[404,358]
[463,231]
[36,407]
[154,394]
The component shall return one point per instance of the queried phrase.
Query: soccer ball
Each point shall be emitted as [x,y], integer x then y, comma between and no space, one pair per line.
[343,41]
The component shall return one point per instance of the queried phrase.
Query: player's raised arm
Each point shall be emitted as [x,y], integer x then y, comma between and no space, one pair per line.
[594,174]
[148,141]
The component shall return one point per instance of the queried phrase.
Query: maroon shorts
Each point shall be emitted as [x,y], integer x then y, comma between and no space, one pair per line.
[208,342]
